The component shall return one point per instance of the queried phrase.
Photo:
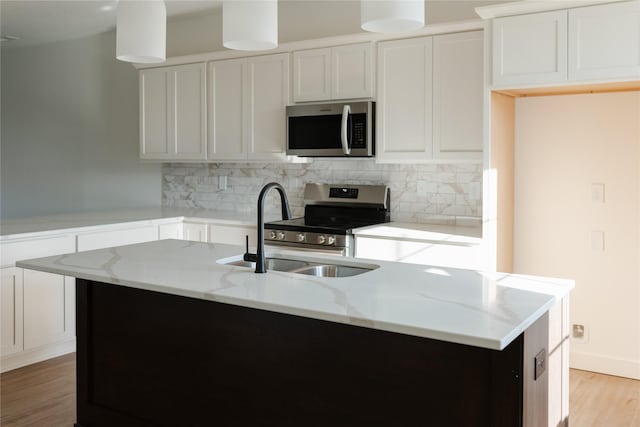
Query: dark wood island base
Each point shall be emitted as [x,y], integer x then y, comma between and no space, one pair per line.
[151,359]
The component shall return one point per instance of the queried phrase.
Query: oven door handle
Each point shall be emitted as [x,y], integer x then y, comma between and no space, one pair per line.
[346,110]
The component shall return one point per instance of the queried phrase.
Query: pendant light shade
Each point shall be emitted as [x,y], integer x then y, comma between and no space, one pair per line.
[250,24]
[392,16]
[141,31]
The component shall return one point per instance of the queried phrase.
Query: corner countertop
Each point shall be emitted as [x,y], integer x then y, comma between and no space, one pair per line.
[487,310]
[67,222]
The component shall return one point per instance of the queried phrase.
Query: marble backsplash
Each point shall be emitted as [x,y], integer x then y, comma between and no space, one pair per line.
[422,193]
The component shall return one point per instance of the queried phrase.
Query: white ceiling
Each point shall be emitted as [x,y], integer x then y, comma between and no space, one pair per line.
[43,21]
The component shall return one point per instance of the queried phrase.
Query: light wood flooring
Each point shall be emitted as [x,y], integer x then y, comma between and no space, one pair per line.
[43,395]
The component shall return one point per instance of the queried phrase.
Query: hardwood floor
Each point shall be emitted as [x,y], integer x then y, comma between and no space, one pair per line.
[598,400]
[43,395]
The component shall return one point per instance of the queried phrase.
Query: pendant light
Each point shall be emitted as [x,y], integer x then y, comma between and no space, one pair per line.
[141,31]
[250,24]
[392,16]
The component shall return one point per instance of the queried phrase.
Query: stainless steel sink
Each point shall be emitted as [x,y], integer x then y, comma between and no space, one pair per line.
[307,268]
[331,270]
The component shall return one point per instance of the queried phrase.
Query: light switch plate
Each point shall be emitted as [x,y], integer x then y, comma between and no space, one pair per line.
[597,193]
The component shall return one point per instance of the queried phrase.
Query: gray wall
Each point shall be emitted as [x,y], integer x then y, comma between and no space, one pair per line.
[69,129]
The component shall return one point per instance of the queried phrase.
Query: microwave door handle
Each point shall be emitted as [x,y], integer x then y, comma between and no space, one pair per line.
[346,110]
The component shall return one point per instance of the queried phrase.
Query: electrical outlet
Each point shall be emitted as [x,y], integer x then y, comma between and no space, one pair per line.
[222,182]
[579,332]
[540,364]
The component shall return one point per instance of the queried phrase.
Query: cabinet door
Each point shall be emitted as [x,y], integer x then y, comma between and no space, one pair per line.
[195,232]
[530,49]
[189,112]
[11,314]
[351,71]
[312,75]
[49,301]
[173,113]
[232,234]
[170,231]
[415,252]
[458,96]
[107,239]
[268,96]
[227,136]
[604,41]
[154,114]
[404,107]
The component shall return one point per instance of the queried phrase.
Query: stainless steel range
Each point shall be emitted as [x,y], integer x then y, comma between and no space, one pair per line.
[331,212]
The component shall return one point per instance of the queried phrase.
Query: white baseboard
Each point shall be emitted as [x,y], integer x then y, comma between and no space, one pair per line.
[24,358]
[605,365]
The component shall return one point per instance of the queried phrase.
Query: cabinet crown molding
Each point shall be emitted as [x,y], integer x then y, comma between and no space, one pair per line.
[523,7]
[429,30]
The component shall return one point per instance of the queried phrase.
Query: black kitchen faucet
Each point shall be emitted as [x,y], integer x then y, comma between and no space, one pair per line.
[259,257]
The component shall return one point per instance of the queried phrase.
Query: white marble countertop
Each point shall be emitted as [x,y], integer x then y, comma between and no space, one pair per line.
[461,306]
[423,233]
[22,227]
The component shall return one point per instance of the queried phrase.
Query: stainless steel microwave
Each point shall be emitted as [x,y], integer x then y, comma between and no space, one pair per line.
[344,129]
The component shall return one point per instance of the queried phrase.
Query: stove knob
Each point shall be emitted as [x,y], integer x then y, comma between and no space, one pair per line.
[301,237]
[281,235]
[321,239]
[272,235]
[331,240]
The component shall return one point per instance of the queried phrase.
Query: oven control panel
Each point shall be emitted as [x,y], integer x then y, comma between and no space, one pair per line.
[301,237]
[343,192]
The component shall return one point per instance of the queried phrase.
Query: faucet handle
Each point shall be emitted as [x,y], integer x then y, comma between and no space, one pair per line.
[248,256]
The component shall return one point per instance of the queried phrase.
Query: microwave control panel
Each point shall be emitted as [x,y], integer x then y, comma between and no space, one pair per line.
[359,131]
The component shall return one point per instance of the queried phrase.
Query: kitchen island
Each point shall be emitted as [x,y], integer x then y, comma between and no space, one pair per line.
[169,334]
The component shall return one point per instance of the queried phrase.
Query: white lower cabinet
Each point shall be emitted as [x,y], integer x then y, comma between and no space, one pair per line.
[232,234]
[12,308]
[49,308]
[38,316]
[126,236]
[170,231]
[428,253]
[195,232]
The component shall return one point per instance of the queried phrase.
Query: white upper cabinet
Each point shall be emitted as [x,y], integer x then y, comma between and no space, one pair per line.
[430,93]
[268,96]
[458,86]
[312,75]
[405,98]
[227,133]
[341,72]
[173,113]
[584,44]
[604,41]
[247,101]
[530,49]
[351,71]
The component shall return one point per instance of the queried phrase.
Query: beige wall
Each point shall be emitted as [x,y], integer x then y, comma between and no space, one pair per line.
[564,145]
